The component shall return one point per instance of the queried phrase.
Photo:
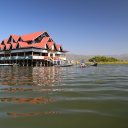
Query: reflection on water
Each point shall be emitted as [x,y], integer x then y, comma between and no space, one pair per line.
[69,97]
[14,114]
[15,89]
[25,85]
[36,100]
[37,76]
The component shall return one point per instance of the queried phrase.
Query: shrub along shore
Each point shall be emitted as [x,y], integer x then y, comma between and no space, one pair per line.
[107,60]
[117,62]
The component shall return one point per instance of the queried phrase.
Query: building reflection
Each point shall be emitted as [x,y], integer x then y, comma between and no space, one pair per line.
[47,76]
[15,114]
[26,86]
[37,100]
[30,76]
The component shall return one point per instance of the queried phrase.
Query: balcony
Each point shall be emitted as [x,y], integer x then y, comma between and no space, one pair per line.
[22,58]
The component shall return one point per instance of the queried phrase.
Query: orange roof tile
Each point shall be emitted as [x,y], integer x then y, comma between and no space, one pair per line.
[8,46]
[14,45]
[15,37]
[41,44]
[50,44]
[58,47]
[46,41]
[32,36]
[24,44]
[5,41]
[2,47]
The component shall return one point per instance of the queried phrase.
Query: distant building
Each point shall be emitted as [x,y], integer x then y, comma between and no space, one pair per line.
[35,49]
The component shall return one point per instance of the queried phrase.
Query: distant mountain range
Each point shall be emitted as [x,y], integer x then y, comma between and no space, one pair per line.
[87,57]
[121,57]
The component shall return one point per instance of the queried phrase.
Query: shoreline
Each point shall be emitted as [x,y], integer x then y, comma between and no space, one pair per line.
[113,63]
[118,62]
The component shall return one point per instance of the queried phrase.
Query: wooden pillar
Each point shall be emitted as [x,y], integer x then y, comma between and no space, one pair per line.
[36,63]
[4,58]
[44,63]
[32,60]
[40,63]
[47,62]
[32,63]
[27,62]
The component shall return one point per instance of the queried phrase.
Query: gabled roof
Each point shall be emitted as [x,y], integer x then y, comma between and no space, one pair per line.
[24,44]
[8,46]
[30,37]
[15,37]
[4,41]
[14,45]
[2,47]
[29,40]
[58,46]
[42,44]
[45,39]
[39,45]
[50,44]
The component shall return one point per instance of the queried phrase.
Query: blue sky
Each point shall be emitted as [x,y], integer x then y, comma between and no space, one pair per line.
[90,27]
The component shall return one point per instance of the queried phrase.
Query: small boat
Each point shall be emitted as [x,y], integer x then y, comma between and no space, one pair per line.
[95,64]
[64,65]
[83,65]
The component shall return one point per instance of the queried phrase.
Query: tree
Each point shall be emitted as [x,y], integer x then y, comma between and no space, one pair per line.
[103,59]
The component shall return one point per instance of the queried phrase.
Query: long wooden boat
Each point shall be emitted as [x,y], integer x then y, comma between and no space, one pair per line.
[85,66]
[95,64]
[64,65]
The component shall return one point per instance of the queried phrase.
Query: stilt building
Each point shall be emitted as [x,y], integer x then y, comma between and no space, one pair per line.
[34,49]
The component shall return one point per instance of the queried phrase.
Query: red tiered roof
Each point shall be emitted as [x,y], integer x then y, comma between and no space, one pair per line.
[24,44]
[30,37]
[46,41]
[5,41]
[8,46]
[58,47]
[15,37]
[50,44]
[42,44]
[14,45]
[2,46]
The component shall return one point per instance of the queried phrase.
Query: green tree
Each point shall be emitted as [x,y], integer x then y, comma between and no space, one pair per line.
[103,59]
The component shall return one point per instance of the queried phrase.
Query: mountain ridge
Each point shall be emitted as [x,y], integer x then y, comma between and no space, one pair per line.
[123,57]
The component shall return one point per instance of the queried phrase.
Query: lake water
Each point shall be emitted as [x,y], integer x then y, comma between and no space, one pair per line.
[70,97]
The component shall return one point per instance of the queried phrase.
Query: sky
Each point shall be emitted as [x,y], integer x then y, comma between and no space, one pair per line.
[87,27]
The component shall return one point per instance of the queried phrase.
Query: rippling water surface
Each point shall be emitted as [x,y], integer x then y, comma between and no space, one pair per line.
[70,97]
